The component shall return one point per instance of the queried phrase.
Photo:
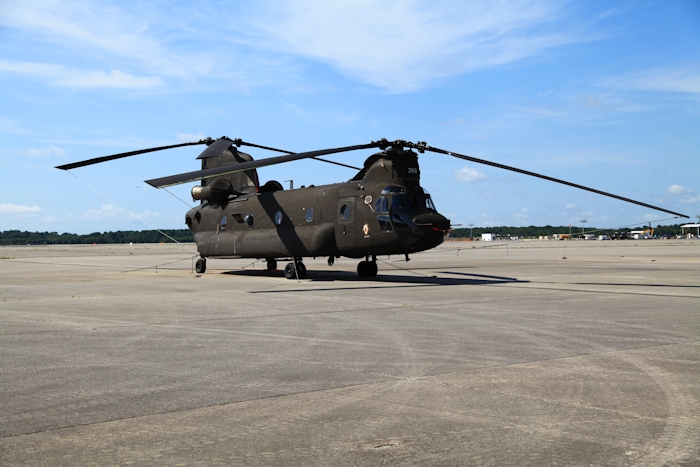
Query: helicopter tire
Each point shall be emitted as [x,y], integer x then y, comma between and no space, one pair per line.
[367,269]
[289,271]
[295,272]
[271,264]
[372,269]
[363,269]
[200,266]
[301,269]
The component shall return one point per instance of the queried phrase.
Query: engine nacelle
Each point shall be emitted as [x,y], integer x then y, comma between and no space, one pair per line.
[218,191]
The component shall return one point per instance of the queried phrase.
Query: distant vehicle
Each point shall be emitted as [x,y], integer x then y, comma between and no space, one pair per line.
[603,237]
[642,234]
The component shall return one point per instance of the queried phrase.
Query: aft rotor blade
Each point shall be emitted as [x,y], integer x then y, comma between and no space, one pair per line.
[243,143]
[242,166]
[97,160]
[544,177]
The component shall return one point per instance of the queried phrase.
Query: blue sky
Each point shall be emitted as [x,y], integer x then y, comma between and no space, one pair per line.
[603,94]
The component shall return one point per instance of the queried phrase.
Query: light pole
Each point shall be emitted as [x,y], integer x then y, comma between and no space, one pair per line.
[583,227]
[471,237]
[569,230]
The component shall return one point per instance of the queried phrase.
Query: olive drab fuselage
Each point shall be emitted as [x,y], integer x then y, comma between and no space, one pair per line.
[382,211]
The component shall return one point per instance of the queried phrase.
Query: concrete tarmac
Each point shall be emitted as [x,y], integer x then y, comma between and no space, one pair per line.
[526,353]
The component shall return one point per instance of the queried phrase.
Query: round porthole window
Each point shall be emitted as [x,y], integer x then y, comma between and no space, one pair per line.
[309,214]
[224,221]
[278,218]
[344,211]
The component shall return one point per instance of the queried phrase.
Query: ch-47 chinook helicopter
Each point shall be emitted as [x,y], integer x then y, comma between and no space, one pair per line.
[382,210]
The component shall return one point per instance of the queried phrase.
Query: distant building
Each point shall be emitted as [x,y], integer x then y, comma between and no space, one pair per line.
[690,228]
[487,237]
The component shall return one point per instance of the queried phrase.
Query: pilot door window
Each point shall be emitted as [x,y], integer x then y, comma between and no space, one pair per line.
[382,209]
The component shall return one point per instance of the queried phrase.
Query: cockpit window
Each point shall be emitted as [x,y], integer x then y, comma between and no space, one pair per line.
[393,189]
[401,202]
[425,202]
[382,205]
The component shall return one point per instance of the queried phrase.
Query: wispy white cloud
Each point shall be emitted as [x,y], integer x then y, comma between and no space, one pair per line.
[397,46]
[188,137]
[570,206]
[677,190]
[6,208]
[111,212]
[48,151]
[467,174]
[402,46]
[682,194]
[62,76]
[111,79]
[10,126]
[683,80]
[97,45]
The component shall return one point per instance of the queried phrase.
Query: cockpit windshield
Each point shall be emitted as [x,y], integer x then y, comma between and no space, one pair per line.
[405,202]
[418,200]
[400,202]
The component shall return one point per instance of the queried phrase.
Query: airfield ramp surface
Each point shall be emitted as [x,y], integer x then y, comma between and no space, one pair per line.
[542,353]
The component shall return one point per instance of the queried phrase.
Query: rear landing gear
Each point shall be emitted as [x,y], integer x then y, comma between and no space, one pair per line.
[271,264]
[295,270]
[200,266]
[367,268]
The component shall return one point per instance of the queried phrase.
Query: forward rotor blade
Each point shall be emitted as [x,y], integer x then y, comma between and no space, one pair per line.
[240,167]
[544,177]
[97,160]
[216,148]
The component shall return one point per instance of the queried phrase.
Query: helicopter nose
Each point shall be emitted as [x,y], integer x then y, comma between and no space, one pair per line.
[432,221]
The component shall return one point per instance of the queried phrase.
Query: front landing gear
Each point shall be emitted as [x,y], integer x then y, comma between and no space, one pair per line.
[295,270]
[367,268]
[271,264]
[200,266]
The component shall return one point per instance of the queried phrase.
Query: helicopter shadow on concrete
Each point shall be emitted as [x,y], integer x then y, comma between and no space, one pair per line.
[381,279]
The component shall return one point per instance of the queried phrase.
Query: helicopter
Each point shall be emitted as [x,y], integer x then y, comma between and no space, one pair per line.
[382,210]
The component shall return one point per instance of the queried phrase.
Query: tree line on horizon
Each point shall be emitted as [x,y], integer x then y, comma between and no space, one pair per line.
[534,231]
[16,237]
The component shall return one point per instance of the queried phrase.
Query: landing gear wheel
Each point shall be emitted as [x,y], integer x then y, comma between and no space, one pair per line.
[372,269]
[301,269]
[291,272]
[367,269]
[200,266]
[271,264]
